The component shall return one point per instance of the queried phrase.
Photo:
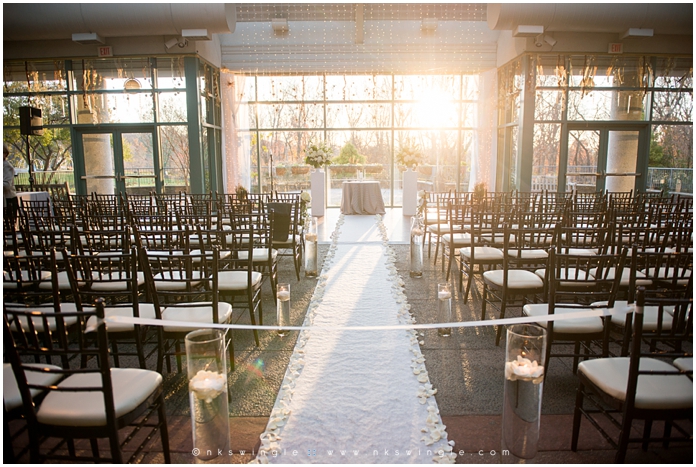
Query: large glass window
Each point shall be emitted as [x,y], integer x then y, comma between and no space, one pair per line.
[119,94]
[602,91]
[367,120]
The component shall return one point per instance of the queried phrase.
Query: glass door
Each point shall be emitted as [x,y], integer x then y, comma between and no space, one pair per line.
[581,169]
[608,157]
[117,161]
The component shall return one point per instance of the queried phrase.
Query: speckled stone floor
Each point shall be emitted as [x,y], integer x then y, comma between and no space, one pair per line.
[466,368]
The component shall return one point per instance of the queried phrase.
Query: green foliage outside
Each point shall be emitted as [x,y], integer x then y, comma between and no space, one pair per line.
[349,155]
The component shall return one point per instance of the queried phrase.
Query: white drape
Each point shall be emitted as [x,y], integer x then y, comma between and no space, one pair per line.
[235,116]
[484,158]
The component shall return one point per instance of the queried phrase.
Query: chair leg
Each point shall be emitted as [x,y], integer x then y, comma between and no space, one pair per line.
[483,302]
[647,428]
[437,249]
[253,320]
[499,331]
[577,417]
[164,432]
[667,433]
[623,439]
[468,285]
[95,447]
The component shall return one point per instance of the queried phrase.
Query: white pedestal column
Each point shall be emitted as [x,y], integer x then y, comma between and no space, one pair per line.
[318,184]
[410,192]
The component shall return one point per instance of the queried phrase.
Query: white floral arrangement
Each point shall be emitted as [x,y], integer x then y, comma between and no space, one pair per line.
[318,155]
[422,203]
[409,156]
[305,199]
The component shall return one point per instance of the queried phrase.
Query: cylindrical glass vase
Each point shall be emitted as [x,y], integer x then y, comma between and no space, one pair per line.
[417,235]
[207,371]
[311,257]
[444,308]
[525,353]
[283,307]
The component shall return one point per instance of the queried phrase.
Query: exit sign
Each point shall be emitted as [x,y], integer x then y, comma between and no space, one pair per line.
[105,51]
[616,48]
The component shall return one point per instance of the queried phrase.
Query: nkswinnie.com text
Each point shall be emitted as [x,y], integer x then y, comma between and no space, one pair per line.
[345,453]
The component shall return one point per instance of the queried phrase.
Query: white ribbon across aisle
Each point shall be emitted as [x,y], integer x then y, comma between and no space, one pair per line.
[357,397]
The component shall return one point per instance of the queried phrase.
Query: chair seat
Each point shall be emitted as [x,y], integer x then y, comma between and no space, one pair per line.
[287,243]
[589,325]
[666,274]
[482,253]
[222,254]
[145,310]
[169,280]
[497,239]
[580,251]
[684,363]
[571,273]
[45,308]
[131,387]
[459,239]
[237,280]
[653,391]
[517,279]
[195,312]
[259,255]
[10,391]
[528,254]
[650,314]
[625,276]
[117,285]
[9,278]
[438,228]
[64,281]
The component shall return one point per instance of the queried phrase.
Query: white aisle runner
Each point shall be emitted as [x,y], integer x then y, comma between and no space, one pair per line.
[356,396]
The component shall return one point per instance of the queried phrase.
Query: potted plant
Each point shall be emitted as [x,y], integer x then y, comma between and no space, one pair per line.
[281,170]
[300,169]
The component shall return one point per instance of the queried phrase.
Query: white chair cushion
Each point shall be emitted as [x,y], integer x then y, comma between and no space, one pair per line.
[573,273]
[237,280]
[168,280]
[566,326]
[497,239]
[118,286]
[10,389]
[684,363]
[145,310]
[64,281]
[528,254]
[195,312]
[625,276]
[580,251]
[482,253]
[222,254]
[67,307]
[459,239]
[131,388]
[9,278]
[650,314]
[517,279]
[288,243]
[438,228]
[165,252]
[259,255]
[653,391]
[667,274]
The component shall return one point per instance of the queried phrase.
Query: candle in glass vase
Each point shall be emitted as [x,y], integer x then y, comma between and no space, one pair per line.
[444,308]
[283,311]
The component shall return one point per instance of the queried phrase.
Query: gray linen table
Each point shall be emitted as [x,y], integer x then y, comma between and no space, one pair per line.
[362,198]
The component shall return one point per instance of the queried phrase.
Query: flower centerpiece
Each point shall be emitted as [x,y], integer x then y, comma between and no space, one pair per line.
[410,156]
[305,199]
[318,155]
